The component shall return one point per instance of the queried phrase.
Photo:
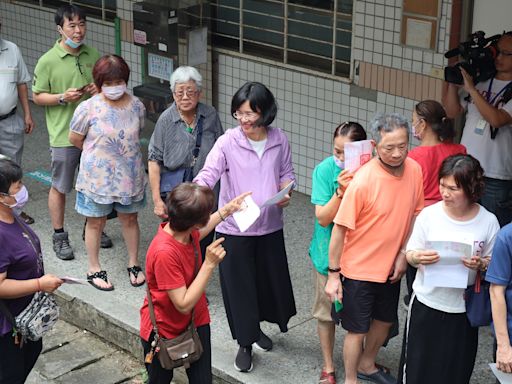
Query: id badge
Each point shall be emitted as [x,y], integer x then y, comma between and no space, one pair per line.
[480,127]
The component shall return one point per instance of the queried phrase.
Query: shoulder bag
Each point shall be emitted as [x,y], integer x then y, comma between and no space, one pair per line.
[171,179]
[478,302]
[41,313]
[184,349]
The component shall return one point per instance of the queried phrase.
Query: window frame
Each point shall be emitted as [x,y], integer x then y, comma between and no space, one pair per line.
[339,66]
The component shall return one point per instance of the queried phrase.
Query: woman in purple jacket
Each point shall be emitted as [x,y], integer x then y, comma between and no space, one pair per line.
[254,275]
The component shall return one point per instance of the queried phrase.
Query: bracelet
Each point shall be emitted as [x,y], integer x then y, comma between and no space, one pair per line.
[334,270]
[220,215]
[38,285]
[338,195]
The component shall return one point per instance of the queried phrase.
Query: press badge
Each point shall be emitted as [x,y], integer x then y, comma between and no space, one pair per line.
[480,127]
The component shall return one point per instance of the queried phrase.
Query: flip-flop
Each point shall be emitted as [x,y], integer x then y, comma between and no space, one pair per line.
[380,376]
[135,272]
[99,275]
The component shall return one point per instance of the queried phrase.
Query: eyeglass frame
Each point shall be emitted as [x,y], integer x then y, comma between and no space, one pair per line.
[248,115]
[190,94]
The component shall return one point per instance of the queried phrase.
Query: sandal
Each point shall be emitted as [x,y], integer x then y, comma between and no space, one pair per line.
[380,376]
[327,377]
[135,272]
[99,275]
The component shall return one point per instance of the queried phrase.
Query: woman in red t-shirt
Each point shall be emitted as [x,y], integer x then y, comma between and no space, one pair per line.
[170,266]
[435,131]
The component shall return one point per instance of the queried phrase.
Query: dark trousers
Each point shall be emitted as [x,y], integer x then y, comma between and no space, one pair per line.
[256,285]
[15,362]
[199,372]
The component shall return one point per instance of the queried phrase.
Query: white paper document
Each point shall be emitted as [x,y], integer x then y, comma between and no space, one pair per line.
[503,378]
[247,215]
[448,272]
[73,280]
[250,212]
[278,196]
[357,153]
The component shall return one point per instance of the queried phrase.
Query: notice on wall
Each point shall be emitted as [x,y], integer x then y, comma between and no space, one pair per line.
[419,33]
[139,37]
[198,46]
[160,67]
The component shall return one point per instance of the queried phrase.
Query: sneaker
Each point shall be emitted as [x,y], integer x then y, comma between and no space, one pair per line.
[243,361]
[327,378]
[264,343]
[61,246]
[105,240]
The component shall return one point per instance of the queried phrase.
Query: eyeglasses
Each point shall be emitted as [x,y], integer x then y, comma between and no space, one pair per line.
[189,92]
[248,115]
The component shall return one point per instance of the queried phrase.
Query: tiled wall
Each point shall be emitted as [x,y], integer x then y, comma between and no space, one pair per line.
[311,104]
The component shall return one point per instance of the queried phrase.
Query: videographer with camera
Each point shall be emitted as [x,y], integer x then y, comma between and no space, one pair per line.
[487,133]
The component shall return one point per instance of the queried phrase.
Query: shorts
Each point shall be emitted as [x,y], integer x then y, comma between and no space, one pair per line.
[89,208]
[322,305]
[65,161]
[364,301]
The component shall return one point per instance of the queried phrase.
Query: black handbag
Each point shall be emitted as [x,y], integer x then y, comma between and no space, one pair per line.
[478,303]
[184,349]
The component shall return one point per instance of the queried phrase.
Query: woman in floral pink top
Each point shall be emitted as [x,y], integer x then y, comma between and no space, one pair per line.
[111,176]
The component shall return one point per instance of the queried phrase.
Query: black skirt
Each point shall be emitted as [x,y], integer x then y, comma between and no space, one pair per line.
[439,347]
[256,285]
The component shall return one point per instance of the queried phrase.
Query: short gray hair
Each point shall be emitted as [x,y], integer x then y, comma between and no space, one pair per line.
[185,73]
[387,123]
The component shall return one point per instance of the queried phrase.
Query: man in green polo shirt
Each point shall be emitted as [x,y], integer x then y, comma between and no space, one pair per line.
[62,79]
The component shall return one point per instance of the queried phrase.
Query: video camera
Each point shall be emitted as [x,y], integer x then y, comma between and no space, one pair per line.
[478,56]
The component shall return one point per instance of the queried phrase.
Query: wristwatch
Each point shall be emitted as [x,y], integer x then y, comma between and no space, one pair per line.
[61,100]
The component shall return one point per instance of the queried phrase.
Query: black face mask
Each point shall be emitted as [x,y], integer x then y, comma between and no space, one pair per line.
[389,166]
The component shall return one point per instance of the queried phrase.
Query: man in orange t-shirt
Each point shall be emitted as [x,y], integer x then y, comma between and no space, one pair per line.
[366,252]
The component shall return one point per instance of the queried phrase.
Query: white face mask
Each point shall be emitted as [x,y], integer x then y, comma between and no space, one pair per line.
[114,92]
[339,163]
[9,205]
[21,197]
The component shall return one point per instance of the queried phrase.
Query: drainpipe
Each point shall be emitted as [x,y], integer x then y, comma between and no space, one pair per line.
[117,29]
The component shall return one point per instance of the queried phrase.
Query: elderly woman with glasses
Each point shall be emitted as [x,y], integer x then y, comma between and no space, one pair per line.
[184,135]
[254,277]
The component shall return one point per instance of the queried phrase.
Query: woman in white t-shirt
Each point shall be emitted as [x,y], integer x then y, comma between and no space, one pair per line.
[440,345]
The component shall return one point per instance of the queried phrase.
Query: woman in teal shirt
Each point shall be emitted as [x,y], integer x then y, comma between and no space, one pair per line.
[330,181]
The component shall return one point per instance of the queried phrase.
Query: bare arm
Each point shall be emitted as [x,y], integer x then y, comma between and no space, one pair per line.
[76,139]
[499,317]
[325,214]
[49,99]
[23,98]
[451,100]
[154,181]
[496,117]
[185,299]
[12,289]
[222,213]
[333,288]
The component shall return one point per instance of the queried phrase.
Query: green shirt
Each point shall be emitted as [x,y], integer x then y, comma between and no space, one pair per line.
[57,71]
[325,182]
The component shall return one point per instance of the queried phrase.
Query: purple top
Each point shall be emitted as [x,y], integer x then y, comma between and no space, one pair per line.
[234,161]
[21,262]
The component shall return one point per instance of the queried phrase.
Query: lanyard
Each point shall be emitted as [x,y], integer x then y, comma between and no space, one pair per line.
[499,93]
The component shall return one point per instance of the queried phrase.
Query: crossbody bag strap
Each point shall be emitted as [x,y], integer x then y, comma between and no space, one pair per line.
[150,301]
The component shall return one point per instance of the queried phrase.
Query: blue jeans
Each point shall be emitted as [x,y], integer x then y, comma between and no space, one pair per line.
[497,198]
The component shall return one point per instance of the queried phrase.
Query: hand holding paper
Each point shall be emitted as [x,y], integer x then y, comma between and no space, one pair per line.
[247,215]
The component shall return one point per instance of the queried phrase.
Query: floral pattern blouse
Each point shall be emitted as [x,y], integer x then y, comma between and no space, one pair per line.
[111,167]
